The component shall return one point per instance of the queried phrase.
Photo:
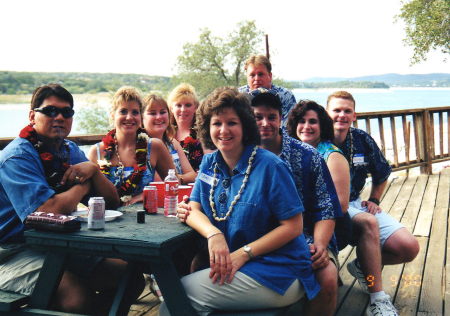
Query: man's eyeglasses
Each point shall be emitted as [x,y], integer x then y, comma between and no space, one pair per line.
[53,111]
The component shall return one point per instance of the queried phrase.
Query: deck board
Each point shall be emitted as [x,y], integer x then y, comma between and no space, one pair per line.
[418,288]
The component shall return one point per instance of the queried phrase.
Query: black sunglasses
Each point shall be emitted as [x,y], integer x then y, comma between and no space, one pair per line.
[53,111]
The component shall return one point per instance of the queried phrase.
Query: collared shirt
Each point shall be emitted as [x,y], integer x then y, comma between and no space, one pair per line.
[314,185]
[366,157]
[23,187]
[286,97]
[269,197]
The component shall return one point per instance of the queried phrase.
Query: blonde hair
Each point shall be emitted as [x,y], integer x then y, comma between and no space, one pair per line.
[342,95]
[153,99]
[257,60]
[183,90]
[126,94]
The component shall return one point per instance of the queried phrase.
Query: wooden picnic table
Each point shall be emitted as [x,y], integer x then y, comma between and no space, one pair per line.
[152,244]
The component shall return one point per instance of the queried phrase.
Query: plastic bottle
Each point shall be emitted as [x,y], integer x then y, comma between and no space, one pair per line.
[171,194]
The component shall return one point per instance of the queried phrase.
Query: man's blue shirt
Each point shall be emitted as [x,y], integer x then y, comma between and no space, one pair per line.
[314,185]
[286,97]
[23,187]
[269,197]
[366,157]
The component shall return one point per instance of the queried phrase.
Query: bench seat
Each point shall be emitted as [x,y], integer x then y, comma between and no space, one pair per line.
[294,309]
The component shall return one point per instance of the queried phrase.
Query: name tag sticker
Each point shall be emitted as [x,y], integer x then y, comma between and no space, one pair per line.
[206,178]
[358,159]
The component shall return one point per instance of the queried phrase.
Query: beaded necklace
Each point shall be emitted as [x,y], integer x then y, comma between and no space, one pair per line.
[238,195]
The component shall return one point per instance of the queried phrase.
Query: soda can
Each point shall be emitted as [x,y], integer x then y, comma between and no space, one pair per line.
[96,214]
[150,199]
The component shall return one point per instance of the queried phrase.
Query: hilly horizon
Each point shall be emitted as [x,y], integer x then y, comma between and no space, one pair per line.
[393,79]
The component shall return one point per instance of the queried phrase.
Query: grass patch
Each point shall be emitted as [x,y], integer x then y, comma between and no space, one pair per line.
[14,98]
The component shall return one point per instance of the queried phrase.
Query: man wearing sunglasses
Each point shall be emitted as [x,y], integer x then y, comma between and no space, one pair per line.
[42,171]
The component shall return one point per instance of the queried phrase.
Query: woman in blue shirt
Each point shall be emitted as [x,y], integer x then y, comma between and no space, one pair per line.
[253,225]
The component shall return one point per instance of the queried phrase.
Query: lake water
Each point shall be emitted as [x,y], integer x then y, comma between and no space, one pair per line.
[13,117]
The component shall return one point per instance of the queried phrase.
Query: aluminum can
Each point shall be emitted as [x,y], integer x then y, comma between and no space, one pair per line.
[96,214]
[150,199]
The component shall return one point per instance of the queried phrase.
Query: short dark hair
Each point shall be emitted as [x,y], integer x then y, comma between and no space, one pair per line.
[299,111]
[267,99]
[50,90]
[219,100]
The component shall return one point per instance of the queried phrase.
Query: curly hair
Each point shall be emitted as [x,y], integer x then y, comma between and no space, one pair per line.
[219,100]
[299,111]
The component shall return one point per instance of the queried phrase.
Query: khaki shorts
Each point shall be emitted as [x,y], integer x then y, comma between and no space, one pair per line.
[334,259]
[19,268]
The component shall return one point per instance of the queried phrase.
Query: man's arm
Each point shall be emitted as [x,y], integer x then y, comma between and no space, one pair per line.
[375,195]
[100,185]
[323,231]
[66,202]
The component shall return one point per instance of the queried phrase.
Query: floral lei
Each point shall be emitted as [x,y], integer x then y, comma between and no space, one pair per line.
[125,188]
[54,169]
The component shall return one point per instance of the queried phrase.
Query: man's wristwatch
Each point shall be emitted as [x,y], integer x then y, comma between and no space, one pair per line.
[249,252]
[374,200]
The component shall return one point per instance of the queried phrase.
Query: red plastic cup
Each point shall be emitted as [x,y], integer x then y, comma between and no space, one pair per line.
[183,190]
[160,189]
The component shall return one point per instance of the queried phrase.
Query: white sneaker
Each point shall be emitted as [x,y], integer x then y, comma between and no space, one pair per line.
[355,270]
[382,307]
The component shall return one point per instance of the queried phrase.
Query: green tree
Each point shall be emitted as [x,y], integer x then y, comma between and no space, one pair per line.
[93,119]
[427,27]
[213,61]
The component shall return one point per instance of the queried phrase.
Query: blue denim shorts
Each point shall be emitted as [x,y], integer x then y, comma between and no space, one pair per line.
[387,224]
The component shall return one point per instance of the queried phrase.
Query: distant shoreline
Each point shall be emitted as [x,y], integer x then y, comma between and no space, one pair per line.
[104,97]
[362,90]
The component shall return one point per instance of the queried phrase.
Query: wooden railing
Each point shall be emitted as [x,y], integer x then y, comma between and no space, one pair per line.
[408,138]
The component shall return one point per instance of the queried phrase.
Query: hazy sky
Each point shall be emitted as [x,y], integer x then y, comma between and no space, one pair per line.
[343,38]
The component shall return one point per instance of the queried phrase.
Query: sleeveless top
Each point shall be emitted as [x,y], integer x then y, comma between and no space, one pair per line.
[116,178]
[344,228]
[326,148]
[176,159]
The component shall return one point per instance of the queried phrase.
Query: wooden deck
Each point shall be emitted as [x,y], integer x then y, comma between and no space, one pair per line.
[420,287]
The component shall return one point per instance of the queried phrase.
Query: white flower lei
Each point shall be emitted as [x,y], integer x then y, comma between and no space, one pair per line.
[238,195]
[125,198]
[104,162]
[144,136]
